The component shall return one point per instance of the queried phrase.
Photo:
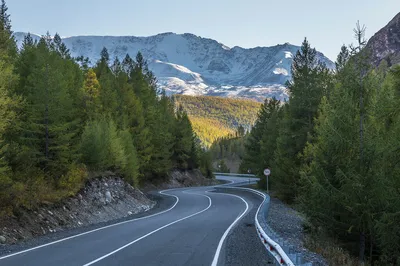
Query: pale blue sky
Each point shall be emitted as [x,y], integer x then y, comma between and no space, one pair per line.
[246,23]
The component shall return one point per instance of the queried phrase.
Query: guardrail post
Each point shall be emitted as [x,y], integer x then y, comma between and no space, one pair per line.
[274,249]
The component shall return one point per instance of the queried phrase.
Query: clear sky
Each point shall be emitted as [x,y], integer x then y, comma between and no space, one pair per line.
[248,23]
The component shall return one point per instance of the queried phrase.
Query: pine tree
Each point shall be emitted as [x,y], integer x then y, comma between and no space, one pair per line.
[342,58]
[386,167]
[5,17]
[261,142]
[60,47]
[61,118]
[128,64]
[27,42]
[104,56]
[349,163]
[8,47]
[116,67]
[47,132]
[306,89]
[8,114]
[183,140]
[84,62]
[161,125]
[131,168]
[108,96]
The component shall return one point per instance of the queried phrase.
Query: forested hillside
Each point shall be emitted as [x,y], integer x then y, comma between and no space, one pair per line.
[61,120]
[216,117]
[227,153]
[334,148]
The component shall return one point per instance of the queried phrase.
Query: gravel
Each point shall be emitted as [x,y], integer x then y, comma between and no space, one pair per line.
[288,224]
[243,246]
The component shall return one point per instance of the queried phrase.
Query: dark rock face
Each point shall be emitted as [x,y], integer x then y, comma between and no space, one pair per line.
[385,44]
[102,200]
[218,65]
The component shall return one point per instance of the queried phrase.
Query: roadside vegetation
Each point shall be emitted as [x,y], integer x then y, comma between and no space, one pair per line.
[334,149]
[62,119]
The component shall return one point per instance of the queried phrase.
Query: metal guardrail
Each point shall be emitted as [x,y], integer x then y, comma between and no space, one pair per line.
[278,249]
[239,175]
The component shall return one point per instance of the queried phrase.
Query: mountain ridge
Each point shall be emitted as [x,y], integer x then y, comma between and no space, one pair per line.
[193,65]
[385,44]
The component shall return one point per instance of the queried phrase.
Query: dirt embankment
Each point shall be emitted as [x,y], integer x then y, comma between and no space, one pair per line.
[103,199]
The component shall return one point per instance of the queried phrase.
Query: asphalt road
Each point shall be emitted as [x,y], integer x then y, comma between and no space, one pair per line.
[193,231]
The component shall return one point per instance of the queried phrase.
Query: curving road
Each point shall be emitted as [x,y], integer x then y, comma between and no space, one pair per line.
[193,231]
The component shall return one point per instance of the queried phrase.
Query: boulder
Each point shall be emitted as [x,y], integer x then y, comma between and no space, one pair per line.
[108,196]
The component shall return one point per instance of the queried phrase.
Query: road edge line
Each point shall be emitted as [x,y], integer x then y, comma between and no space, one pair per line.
[94,230]
[150,233]
[222,240]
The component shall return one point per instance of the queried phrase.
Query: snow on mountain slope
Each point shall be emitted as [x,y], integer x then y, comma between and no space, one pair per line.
[188,64]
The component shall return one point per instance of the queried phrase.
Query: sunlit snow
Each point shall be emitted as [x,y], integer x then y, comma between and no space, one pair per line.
[189,64]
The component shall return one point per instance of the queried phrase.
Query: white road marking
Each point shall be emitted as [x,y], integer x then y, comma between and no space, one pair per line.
[112,225]
[95,230]
[152,232]
[221,242]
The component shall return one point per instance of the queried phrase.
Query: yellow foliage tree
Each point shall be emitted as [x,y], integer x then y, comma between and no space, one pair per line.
[91,91]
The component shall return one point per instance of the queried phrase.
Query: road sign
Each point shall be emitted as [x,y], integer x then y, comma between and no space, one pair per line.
[267,172]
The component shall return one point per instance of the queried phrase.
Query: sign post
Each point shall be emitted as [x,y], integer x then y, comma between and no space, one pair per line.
[267,172]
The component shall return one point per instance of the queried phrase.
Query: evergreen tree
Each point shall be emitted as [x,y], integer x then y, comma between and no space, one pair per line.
[116,67]
[108,96]
[306,89]
[62,118]
[342,58]
[5,17]
[183,140]
[128,64]
[47,132]
[8,47]
[104,56]
[60,47]
[261,143]
[131,169]
[240,131]
[8,114]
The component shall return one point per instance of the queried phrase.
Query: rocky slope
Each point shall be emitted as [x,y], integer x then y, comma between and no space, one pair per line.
[385,44]
[192,65]
[102,199]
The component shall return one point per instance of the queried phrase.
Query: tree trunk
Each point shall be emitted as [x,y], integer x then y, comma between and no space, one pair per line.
[361,122]
[46,115]
[371,247]
[362,248]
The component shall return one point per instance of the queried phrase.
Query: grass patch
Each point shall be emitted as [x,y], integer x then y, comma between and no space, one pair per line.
[319,242]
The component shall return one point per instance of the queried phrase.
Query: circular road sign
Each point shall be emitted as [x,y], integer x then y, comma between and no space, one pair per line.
[267,171]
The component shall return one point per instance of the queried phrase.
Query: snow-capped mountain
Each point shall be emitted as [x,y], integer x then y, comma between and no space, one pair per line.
[192,65]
